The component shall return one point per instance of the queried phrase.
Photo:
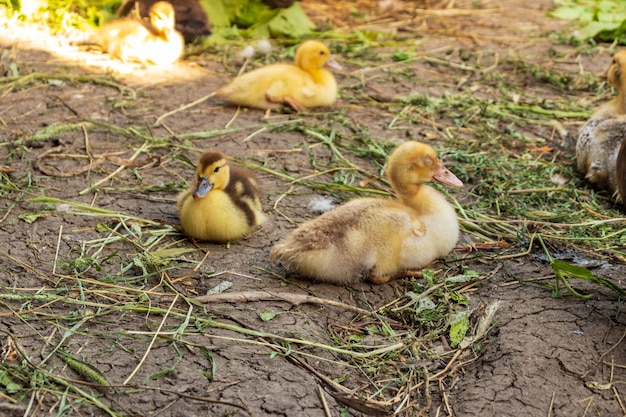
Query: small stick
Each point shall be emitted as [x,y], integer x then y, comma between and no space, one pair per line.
[230,122]
[114,173]
[296,299]
[551,404]
[320,391]
[194,270]
[156,334]
[56,254]
[182,108]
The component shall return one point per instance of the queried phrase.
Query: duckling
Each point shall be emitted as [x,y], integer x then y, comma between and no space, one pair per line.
[191,19]
[223,204]
[601,138]
[379,239]
[597,152]
[614,75]
[156,42]
[306,84]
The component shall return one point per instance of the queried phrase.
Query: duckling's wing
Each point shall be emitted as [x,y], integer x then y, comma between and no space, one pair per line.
[586,138]
[277,80]
[358,220]
[245,194]
[597,150]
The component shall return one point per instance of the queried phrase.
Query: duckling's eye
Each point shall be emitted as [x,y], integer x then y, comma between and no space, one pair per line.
[322,52]
[217,169]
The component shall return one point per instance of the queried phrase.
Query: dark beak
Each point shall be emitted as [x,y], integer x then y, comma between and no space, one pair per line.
[202,188]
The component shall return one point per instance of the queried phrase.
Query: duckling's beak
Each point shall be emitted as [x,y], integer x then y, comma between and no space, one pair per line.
[332,64]
[202,189]
[444,176]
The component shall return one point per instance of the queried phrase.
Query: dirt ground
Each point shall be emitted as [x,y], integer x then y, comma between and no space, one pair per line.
[544,357]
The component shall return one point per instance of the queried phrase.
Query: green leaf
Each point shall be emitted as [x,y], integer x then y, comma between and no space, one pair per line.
[429,276]
[252,12]
[459,325]
[565,271]
[260,20]
[604,18]
[9,386]
[604,31]
[291,22]
[607,32]
[575,12]
[13,388]
[209,355]
[267,315]
[32,217]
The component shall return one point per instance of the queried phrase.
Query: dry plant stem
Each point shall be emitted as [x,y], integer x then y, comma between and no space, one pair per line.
[27,267]
[201,100]
[340,393]
[232,119]
[156,334]
[619,400]
[7,213]
[443,372]
[67,383]
[56,253]
[605,353]
[320,392]
[295,299]
[588,406]
[303,364]
[114,173]
[258,333]
[54,173]
[551,407]
[193,271]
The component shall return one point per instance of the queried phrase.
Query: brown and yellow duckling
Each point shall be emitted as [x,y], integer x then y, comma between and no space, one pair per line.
[134,40]
[615,76]
[191,19]
[305,84]
[378,239]
[223,204]
[601,138]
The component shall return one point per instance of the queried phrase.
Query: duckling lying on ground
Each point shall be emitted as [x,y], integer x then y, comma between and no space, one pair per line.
[601,138]
[134,40]
[191,19]
[306,84]
[378,239]
[223,204]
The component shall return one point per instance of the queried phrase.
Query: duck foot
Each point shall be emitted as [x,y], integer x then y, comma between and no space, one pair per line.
[286,101]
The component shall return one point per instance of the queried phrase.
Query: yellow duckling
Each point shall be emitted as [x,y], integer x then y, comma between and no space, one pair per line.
[306,84]
[223,204]
[191,20]
[378,239]
[600,139]
[156,42]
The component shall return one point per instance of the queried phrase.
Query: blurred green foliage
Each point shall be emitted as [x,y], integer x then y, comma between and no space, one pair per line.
[604,20]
